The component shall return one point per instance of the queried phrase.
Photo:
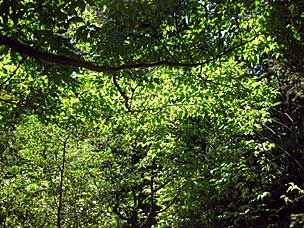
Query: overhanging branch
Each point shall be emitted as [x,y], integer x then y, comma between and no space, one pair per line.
[63,60]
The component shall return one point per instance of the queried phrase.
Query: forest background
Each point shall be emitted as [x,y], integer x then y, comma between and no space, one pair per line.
[151,113]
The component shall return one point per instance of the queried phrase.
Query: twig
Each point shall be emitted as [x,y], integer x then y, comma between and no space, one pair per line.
[122,93]
[13,73]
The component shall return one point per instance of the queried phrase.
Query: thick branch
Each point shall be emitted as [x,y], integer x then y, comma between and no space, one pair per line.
[59,59]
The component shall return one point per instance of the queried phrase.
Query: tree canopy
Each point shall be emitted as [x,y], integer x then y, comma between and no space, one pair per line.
[151,113]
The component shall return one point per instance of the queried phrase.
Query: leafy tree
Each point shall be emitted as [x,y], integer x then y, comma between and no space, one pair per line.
[142,113]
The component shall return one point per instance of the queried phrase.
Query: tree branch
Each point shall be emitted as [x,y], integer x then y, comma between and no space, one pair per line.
[63,60]
[116,209]
[59,209]
[122,93]
[13,73]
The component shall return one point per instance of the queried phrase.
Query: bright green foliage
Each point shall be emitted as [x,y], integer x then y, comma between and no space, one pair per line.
[187,131]
[165,146]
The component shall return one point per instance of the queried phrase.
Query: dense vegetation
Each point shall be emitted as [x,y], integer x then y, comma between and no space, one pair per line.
[151,113]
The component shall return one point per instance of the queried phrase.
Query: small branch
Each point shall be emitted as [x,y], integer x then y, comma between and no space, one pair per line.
[61,182]
[135,199]
[169,205]
[116,209]
[162,185]
[9,78]
[151,213]
[13,73]
[282,149]
[122,93]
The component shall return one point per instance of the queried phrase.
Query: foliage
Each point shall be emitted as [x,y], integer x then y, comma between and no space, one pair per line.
[142,114]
